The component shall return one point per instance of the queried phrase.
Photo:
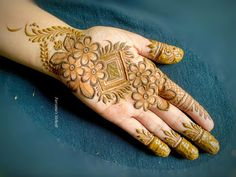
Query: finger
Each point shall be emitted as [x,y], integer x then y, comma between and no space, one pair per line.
[177,120]
[157,51]
[181,99]
[121,114]
[139,132]
[160,129]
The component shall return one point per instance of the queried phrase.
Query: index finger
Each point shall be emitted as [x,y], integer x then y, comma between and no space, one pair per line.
[173,93]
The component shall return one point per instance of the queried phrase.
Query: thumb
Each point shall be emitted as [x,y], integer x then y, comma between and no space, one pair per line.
[157,51]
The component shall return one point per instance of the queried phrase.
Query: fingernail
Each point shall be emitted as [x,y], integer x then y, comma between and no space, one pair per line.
[201,138]
[208,143]
[187,150]
[159,147]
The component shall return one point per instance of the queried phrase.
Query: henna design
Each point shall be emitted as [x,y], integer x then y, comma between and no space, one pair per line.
[181,99]
[165,54]
[182,146]
[95,71]
[201,137]
[172,138]
[145,81]
[13,29]
[144,136]
[186,149]
[153,143]
[116,85]
[109,74]
[39,35]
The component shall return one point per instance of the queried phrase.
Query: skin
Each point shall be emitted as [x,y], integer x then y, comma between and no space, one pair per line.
[111,71]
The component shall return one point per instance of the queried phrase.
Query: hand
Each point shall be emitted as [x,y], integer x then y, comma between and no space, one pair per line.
[110,71]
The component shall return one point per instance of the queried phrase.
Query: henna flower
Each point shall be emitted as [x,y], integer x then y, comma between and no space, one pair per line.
[144,97]
[86,50]
[93,72]
[139,74]
[71,69]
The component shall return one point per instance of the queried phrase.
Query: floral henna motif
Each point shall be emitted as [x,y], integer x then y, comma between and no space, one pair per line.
[153,143]
[145,80]
[106,72]
[93,72]
[71,69]
[139,74]
[201,137]
[86,51]
[165,54]
[144,97]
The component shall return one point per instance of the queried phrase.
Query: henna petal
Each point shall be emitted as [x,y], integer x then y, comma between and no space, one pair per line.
[137,82]
[78,54]
[66,73]
[137,96]
[152,79]
[141,90]
[138,104]
[145,106]
[133,68]
[168,94]
[86,76]
[65,65]
[162,104]
[152,100]
[79,46]
[101,75]
[87,41]
[148,72]
[87,90]
[132,76]
[92,56]
[142,67]
[150,91]
[84,60]
[69,44]
[93,80]
[73,76]
[58,58]
[144,80]
[94,46]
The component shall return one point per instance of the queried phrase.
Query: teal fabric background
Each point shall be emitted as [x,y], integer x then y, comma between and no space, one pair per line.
[86,145]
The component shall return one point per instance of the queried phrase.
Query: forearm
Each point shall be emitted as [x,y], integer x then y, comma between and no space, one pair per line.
[15,17]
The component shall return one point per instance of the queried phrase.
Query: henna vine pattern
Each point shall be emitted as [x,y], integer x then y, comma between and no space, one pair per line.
[106,72]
